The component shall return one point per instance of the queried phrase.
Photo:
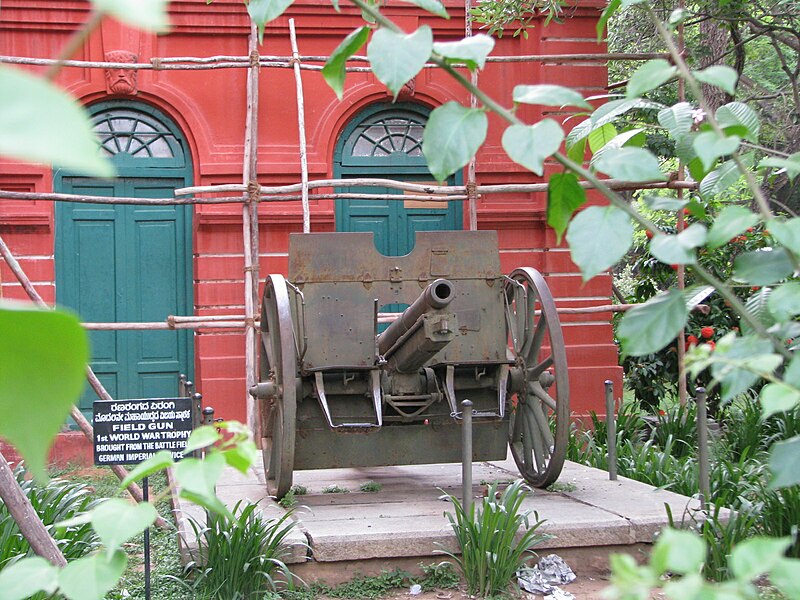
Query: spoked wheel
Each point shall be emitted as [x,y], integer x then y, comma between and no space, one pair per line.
[539,422]
[279,366]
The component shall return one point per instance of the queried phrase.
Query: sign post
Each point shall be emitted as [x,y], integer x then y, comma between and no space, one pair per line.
[127,432]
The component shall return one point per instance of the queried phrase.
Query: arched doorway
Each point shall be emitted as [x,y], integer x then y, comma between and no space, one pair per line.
[385,141]
[130,263]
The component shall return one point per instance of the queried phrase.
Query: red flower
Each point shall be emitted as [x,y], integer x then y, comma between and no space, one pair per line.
[691,340]
[707,332]
[662,412]
[749,230]
[649,234]
[687,212]
[674,267]
[755,288]
[711,345]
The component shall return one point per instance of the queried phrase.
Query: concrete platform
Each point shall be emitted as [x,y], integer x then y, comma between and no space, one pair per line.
[404,523]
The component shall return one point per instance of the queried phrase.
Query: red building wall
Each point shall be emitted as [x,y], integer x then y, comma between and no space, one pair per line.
[209,106]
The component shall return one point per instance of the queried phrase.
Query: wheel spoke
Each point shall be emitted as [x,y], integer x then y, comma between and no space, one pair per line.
[542,425]
[534,346]
[534,372]
[537,390]
[527,443]
[521,314]
[536,440]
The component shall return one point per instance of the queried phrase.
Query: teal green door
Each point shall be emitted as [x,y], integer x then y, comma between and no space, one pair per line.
[385,141]
[128,263]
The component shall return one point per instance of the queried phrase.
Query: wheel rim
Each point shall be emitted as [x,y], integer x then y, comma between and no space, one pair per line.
[539,420]
[279,365]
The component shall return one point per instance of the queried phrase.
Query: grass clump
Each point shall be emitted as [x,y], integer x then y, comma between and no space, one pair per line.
[242,558]
[370,487]
[335,489]
[490,553]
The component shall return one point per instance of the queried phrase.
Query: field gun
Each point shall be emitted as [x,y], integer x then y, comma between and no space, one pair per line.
[336,391]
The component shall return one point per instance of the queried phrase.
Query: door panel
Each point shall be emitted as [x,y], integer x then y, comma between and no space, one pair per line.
[127,263]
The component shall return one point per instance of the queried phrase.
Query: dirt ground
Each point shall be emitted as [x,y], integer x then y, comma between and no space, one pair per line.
[585,588]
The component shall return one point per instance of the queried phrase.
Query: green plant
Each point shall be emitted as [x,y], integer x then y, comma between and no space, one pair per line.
[241,557]
[491,553]
[677,425]
[438,576]
[299,490]
[370,487]
[55,501]
[681,555]
[780,516]
[335,489]
[289,500]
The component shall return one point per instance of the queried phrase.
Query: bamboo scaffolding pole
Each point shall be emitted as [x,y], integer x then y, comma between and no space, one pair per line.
[422,188]
[133,489]
[473,103]
[249,213]
[426,193]
[301,129]
[190,63]
[156,325]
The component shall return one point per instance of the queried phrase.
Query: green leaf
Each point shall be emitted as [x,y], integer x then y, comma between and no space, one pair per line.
[472,50]
[242,456]
[710,146]
[91,577]
[197,480]
[43,356]
[756,306]
[452,137]
[608,12]
[564,196]
[598,237]
[396,58]
[739,119]
[334,70]
[150,15]
[756,556]
[720,76]
[677,119]
[530,146]
[784,302]
[791,164]
[664,203]
[720,179]
[679,249]
[630,164]
[264,11]
[42,123]
[763,267]
[577,151]
[649,76]
[549,95]
[785,576]
[792,373]
[117,520]
[202,437]
[778,397]
[784,462]
[632,137]
[25,577]
[741,351]
[607,113]
[677,551]
[601,136]
[160,460]
[648,327]
[432,6]
[787,233]
[732,221]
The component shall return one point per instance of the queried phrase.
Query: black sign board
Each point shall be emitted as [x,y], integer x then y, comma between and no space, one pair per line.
[127,432]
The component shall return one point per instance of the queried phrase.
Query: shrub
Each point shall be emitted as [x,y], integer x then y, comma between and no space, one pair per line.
[242,556]
[490,553]
[56,501]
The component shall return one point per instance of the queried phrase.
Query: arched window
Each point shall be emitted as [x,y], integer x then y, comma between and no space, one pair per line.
[137,133]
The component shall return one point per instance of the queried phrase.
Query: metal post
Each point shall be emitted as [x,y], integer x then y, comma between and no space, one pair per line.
[182,385]
[466,457]
[611,430]
[146,497]
[702,446]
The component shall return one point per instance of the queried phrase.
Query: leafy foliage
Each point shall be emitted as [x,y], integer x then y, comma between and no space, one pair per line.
[488,536]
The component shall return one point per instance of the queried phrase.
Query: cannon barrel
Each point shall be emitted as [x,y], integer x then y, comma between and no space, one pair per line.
[421,331]
[436,296]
